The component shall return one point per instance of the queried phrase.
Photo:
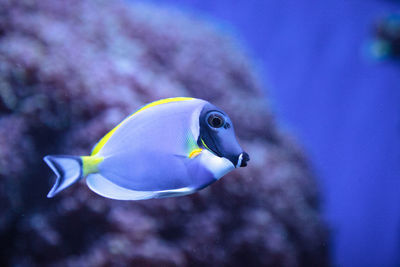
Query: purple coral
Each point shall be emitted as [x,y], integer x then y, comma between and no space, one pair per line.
[69,71]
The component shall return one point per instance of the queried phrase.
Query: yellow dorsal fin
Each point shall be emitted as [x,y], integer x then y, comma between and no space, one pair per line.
[161,101]
[104,140]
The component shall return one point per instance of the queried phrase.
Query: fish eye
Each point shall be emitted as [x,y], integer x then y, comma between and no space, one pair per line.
[216,120]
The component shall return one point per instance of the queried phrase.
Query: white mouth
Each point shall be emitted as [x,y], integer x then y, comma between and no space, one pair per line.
[239,161]
[216,165]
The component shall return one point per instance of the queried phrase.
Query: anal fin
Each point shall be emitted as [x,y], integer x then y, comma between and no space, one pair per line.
[102,186]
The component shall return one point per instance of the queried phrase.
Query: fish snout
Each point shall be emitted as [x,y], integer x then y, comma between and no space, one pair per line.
[242,160]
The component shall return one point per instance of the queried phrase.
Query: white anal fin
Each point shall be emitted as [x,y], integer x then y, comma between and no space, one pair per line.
[102,186]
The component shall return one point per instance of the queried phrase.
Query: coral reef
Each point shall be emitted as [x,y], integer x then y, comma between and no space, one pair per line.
[70,71]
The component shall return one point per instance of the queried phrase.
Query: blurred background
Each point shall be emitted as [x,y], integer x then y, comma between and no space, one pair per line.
[335,83]
[313,89]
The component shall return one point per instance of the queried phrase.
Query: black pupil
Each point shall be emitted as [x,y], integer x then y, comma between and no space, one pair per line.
[216,121]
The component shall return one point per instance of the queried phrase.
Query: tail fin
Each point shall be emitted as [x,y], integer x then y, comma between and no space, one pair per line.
[68,170]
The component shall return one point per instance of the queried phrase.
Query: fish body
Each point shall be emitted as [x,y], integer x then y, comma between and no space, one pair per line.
[166,148]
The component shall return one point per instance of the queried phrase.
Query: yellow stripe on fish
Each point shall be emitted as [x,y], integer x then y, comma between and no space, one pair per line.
[195,153]
[90,164]
[104,140]
[204,144]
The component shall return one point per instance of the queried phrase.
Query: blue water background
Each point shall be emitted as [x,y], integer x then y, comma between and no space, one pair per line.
[343,106]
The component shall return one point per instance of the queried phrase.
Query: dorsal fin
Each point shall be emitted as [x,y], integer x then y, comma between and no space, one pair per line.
[104,140]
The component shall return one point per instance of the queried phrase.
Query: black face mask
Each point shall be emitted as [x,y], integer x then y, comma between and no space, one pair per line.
[218,135]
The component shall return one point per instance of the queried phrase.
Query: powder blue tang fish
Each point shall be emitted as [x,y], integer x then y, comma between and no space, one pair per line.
[171,147]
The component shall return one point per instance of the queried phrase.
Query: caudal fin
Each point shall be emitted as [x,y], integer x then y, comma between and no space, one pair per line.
[68,170]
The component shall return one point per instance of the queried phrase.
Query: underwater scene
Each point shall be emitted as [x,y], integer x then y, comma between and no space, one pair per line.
[199,133]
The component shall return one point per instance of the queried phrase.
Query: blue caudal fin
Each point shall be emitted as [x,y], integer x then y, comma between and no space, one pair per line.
[68,170]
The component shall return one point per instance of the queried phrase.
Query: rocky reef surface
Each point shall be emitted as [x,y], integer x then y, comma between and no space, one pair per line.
[69,72]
